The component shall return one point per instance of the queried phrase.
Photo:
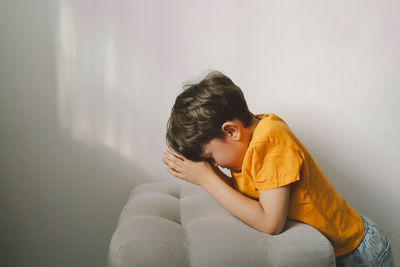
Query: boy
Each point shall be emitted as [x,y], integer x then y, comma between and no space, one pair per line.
[274,177]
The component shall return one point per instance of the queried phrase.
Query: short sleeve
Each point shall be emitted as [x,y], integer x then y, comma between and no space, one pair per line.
[276,164]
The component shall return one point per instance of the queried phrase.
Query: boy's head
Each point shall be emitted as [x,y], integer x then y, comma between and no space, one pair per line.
[200,111]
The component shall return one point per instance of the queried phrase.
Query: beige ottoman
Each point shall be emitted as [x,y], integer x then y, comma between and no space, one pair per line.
[180,224]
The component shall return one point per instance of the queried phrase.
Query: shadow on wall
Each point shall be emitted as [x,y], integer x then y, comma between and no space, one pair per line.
[64,200]
[94,183]
[99,113]
[62,191]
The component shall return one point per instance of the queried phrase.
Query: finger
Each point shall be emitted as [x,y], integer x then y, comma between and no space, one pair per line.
[172,164]
[176,174]
[172,154]
[176,154]
[172,157]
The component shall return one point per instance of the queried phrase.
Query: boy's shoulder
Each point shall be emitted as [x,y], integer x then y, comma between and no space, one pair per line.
[271,128]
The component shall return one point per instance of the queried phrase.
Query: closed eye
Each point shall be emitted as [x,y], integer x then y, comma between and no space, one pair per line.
[210,160]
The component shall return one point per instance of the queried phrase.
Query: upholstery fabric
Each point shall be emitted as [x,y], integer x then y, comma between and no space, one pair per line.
[180,224]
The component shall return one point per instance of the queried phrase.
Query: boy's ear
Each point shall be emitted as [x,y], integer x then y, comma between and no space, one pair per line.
[232,129]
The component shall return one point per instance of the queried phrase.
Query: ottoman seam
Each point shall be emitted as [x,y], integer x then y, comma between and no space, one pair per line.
[133,217]
[180,205]
[186,241]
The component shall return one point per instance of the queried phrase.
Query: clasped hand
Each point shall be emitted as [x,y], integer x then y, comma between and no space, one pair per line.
[188,170]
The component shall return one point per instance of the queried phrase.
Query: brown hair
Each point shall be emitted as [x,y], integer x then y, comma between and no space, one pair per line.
[200,111]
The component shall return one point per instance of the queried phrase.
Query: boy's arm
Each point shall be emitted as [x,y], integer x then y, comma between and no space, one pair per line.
[267,215]
[224,177]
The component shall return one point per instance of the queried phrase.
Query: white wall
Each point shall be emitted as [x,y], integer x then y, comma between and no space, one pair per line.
[87,87]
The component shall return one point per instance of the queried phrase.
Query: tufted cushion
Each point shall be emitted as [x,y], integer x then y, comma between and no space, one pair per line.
[180,224]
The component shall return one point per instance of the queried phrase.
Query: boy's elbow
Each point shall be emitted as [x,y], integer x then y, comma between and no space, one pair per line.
[277,232]
[274,229]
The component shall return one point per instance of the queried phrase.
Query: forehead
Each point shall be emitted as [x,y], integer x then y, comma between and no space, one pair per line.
[210,147]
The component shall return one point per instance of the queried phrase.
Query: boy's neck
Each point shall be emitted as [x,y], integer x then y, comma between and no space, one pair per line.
[252,127]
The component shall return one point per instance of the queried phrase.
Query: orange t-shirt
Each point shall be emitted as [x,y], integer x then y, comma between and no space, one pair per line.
[274,158]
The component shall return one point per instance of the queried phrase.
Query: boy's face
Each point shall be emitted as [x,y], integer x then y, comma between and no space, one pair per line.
[226,153]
